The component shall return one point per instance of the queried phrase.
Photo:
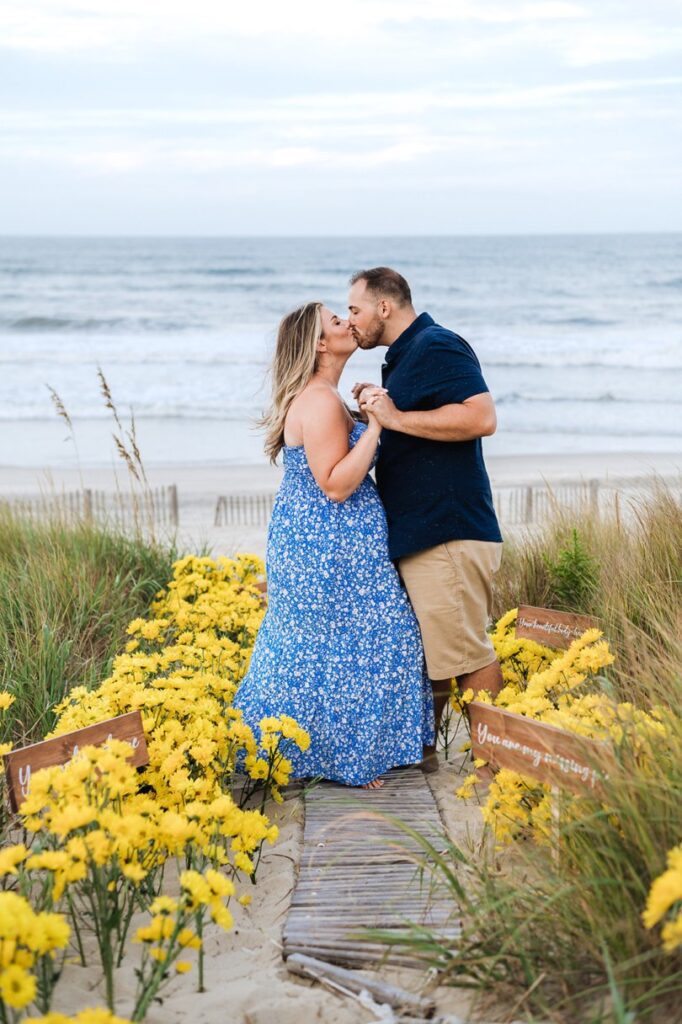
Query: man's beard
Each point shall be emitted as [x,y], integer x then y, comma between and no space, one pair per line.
[373,335]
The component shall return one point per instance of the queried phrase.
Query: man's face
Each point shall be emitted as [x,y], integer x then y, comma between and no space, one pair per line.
[363,316]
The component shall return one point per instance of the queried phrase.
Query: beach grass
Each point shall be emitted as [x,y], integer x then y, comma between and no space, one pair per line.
[67,593]
[624,568]
[555,931]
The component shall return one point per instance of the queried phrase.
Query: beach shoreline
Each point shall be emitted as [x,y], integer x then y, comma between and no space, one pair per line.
[228,477]
[199,486]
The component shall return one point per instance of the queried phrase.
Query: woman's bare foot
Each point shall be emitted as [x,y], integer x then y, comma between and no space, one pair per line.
[375,784]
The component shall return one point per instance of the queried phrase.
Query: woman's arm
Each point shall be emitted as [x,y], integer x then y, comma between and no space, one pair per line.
[338,471]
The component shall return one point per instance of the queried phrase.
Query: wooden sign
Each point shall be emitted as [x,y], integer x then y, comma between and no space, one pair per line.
[555,756]
[21,764]
[550,628]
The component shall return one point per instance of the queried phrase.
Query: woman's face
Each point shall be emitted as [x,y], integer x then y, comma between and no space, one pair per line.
[336,333]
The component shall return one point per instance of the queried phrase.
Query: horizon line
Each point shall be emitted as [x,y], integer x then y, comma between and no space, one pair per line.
[378,236]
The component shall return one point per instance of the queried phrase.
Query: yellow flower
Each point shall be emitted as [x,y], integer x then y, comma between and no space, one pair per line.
[134,871]
[6,700]
[196,888]
[219,885]
[671,934]
[244,863]
[50,931]
[466,790]
[188,940]
[182,966]
[17,987]
[664,892]
[10,857]
[163,905]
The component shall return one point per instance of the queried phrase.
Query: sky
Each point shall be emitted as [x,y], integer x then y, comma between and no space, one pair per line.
[357,117]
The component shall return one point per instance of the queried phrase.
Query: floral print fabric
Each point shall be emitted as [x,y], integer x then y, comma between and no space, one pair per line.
[339,648]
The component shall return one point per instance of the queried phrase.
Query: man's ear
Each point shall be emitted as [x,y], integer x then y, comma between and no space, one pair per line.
[384,309]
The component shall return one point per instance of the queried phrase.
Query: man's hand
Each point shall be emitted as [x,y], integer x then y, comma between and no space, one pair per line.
[359,388]
[357,392]
[377,402]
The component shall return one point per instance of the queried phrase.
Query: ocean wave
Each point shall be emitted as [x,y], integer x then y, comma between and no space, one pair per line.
[577,321]
[234,271]
[586,430]
[248,415]
[160,359]
[46,324]
[557,363]
[180,412]
[604,399]
[671,282]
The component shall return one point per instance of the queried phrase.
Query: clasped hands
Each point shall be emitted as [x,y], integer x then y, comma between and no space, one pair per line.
[375,401]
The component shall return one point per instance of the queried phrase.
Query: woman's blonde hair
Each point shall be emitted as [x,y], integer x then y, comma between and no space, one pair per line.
[294,364]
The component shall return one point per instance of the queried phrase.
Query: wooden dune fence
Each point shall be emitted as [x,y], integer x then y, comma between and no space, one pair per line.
[244,509]
[515,506]
[157,506]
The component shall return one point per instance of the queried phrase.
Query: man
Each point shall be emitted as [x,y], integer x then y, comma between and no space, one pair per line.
[434,407]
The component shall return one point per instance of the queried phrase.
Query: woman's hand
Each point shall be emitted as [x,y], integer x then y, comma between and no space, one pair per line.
[375,402]
[373,425]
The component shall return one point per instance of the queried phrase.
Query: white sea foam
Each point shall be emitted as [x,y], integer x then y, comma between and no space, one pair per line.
[580,338]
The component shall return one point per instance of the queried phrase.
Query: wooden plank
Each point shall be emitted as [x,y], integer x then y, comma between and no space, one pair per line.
[361,870]
[22,763]
[541,751]
[551,628]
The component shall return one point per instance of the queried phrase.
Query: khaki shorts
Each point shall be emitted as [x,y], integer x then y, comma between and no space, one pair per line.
[450,587]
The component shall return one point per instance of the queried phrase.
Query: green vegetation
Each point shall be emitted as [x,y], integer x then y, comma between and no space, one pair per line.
[67,593]
[553,930]
[625,569]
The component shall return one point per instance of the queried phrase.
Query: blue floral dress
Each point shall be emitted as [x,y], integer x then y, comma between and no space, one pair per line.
[339,648]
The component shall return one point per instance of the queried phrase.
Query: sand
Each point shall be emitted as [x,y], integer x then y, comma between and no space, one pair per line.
[199,485]
[246,979]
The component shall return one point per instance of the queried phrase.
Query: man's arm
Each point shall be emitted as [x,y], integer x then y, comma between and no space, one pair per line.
[460,421]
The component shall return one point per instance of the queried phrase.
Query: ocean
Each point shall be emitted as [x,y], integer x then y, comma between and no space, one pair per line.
[580,337]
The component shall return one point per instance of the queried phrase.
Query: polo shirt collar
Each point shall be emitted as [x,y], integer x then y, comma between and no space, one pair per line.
[402,341]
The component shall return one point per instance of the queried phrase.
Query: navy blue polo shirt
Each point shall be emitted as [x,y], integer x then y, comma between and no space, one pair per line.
[433,491]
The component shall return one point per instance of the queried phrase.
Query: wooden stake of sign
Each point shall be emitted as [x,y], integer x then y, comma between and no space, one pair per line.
[555,756]
[21,764]
[551,628]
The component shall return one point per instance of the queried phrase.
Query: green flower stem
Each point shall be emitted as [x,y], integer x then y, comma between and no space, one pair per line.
[199,917]
[74,920]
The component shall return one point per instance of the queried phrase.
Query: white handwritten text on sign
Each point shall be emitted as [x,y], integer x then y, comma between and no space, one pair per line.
[22,763]
[551,755]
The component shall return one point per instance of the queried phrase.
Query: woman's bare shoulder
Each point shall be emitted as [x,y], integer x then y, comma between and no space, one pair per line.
[314,402]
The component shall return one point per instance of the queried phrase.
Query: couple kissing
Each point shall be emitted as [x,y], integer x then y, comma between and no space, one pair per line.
[378,594]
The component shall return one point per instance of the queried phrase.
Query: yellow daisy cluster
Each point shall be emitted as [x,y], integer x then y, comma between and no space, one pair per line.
[181,669]
[102,831]
[93,819]
[665,902]
[564,689]
[25,938]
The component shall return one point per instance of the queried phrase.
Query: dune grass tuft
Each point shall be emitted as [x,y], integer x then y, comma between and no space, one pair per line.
[555,932]
[67,593]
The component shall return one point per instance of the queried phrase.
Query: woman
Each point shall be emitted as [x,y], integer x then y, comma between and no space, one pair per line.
[339,648]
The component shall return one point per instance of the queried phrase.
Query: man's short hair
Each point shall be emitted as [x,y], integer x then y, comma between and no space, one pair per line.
[385,283]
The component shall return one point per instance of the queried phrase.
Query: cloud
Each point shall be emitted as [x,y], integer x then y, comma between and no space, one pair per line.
[217,97]
[52,26]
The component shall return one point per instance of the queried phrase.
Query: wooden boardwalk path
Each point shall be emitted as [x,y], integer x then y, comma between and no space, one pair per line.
[359,871]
